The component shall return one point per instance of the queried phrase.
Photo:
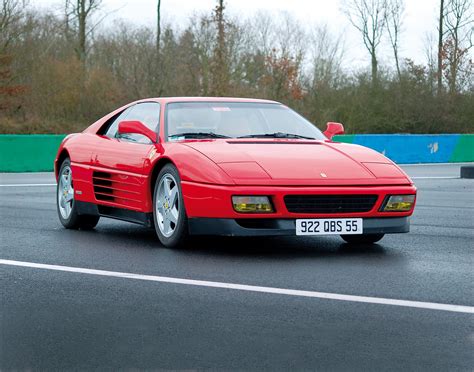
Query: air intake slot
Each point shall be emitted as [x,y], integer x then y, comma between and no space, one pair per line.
[103,186]
[326,204]
[114,188]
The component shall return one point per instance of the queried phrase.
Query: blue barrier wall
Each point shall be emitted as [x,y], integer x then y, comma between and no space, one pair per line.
[35,153]
[418,148]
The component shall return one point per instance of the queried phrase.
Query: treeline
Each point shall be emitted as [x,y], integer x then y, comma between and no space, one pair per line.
[59,72]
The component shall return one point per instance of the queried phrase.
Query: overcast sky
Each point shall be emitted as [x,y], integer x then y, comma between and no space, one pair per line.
[420,18]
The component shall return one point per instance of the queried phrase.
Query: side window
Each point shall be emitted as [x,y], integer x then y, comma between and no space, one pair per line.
[148,113]
[114,122]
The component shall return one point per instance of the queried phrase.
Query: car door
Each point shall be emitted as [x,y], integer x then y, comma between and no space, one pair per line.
[118,161]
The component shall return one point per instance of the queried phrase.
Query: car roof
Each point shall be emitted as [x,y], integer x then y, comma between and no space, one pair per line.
[206,99]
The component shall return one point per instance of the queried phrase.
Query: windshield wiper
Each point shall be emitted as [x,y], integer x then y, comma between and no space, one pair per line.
[275,135]
[199,135]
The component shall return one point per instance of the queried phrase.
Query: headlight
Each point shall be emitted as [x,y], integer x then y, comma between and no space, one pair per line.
[252,204]
[399,203]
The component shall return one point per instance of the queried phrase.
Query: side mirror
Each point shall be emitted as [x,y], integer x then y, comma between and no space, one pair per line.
[137,127]
[333,129]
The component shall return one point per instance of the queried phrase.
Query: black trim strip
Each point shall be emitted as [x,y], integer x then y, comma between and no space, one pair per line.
[141,218]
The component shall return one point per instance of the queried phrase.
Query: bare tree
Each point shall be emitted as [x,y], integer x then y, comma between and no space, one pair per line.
[220,75]
[204,42]
[11,13]
[431,53]
[458,18]
[368,16]
[394,21]
[262,31]
[440,46]
[78,13]
[158,26]
[290,37]
[326,57]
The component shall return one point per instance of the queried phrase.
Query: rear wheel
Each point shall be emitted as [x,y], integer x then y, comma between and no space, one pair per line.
[169,215]
[67,211]
[362,239]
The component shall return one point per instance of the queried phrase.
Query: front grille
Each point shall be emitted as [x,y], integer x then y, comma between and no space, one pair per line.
[330,203]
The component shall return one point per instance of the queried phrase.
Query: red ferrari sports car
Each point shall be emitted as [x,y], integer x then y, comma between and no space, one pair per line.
[227,166]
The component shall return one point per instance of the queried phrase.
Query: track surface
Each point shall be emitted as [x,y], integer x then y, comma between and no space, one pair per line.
[65,320]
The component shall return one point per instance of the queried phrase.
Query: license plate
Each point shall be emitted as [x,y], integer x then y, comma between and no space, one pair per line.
[329,226]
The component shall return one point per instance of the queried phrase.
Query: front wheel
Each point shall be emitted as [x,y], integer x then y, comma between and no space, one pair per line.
[169,215]
[67,211]
[363,238]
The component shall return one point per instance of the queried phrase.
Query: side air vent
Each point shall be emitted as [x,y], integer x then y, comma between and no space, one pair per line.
[117,189]
[103,186]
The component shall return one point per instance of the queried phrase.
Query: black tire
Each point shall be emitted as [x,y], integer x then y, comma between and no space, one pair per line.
[363,238]
[180,232]
[73,220]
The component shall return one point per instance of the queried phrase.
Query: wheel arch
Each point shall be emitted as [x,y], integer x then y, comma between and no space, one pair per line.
[61,157]
[157,167]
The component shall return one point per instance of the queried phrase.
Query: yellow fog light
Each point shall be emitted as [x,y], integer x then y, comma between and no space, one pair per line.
[252,204]
[399,203]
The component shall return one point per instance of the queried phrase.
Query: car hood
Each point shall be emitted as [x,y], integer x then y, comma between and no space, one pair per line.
[296,162]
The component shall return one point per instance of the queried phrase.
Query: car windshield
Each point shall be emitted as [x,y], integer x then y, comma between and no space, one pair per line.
[236,120]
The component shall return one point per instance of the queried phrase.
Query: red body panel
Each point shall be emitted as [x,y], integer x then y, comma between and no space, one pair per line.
[213,170]
[294,162]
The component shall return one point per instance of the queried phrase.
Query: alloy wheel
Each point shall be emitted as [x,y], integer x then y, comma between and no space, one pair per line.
[167,205]
[65,192]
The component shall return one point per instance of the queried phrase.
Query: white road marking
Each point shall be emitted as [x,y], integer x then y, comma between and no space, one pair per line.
[250,288]
[435,178]
[434,164]
[29,185]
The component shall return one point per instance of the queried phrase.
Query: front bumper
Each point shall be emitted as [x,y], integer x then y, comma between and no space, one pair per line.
[281,227]
[215,201]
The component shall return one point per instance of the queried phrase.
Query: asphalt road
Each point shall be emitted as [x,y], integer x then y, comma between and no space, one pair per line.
[56,320]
